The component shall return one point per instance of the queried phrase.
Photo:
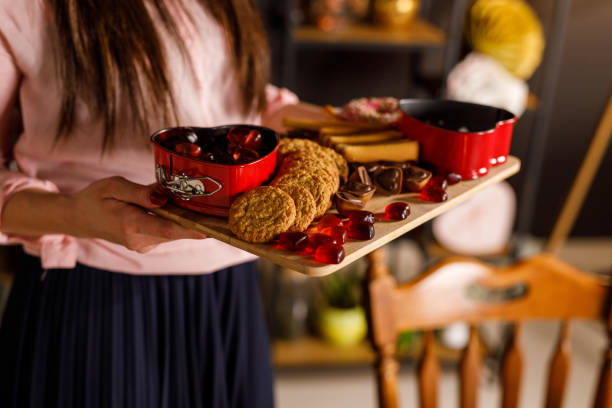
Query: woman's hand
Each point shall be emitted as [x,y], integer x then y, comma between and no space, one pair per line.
[113,209]
[274,120]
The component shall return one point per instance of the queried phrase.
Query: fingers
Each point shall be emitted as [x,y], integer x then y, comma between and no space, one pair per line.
[124,190]
[142,224]
[146,249]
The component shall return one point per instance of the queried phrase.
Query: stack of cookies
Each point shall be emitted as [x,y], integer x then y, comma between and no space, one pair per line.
[307,178]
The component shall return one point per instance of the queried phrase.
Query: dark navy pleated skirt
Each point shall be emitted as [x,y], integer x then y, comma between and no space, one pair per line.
[86,337]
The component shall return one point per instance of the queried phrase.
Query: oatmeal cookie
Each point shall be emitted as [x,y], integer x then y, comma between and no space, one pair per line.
[308,147]
[293,145]
[301,161]
[305,206]
[261,214]
[320,188]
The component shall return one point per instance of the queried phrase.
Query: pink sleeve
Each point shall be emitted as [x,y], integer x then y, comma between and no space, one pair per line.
[12,181]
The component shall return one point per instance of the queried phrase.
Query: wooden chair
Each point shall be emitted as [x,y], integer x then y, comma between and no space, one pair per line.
[467,290]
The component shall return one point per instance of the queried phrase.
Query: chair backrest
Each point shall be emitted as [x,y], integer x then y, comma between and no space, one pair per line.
[467,290]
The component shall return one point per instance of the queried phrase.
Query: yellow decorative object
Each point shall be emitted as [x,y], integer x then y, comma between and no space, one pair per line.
[510,32]
[343,327]
[396,13]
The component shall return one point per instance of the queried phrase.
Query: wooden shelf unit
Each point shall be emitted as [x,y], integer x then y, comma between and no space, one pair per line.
[315,352]
[419,34]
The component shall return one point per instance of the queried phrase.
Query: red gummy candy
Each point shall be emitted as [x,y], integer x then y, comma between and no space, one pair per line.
[329,253]
[397,211]
[188,149]
[338,233]
[362,230]
[438,181]
[360,215]
[329,220]
[316,240]
[433,193]
[453,178]
[292,241]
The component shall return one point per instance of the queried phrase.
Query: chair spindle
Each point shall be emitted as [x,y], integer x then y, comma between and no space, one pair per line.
[387,368]
[603,397]
[429,374]
[559,369]
[470,371]
[512,370]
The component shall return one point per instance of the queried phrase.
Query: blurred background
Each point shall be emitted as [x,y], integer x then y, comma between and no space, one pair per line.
[556,70]
[329,52]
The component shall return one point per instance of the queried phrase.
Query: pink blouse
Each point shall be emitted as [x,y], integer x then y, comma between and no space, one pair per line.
[206,94]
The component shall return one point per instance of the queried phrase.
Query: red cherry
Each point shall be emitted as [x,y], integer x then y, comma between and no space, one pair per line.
[360,230]
[252,140]
[242,156]
[208,157]
[188,149]
[329,253]
[236,135]
[397,211]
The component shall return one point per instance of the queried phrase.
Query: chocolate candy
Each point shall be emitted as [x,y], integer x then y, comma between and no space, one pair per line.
[370,167]
[356,192]
[360,190]
[388,180]
[346,201]
[401,165]
[415,179]
[361,175]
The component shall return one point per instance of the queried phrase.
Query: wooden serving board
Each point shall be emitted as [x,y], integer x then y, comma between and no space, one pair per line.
[386,231]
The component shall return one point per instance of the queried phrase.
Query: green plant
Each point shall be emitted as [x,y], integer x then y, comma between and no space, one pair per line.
[342,289]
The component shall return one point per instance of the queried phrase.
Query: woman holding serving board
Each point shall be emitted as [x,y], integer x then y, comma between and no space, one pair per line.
[112,306]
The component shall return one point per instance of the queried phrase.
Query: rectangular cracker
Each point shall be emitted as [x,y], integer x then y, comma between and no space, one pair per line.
[396,150]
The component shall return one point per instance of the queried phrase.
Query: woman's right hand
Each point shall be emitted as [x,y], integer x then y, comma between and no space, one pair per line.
[113,209]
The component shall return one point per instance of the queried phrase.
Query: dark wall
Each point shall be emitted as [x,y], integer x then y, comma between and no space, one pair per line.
[582,93]
[334,76]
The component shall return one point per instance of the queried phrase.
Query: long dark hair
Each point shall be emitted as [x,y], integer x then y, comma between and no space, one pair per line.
[109,46]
